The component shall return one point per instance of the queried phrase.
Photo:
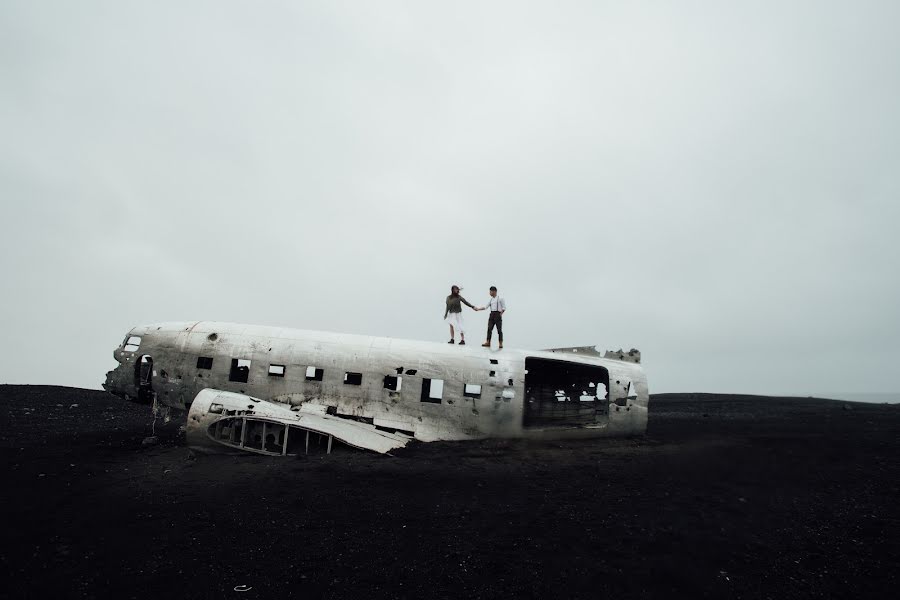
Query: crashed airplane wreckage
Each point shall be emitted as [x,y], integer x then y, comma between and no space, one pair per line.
[282,391]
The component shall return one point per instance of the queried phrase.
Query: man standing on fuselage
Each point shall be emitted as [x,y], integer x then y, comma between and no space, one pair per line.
[497,306]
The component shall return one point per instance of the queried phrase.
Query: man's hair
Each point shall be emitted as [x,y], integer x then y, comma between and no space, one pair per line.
[493,288]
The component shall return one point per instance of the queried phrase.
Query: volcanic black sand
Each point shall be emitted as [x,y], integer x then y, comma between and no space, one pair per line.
[726,496]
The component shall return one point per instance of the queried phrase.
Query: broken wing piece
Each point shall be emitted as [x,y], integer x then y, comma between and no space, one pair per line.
[220,420]
[633,355]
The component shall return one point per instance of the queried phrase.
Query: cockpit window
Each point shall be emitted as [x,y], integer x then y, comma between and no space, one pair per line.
[132,343]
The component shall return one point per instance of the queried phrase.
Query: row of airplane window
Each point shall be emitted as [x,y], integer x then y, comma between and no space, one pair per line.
[432,389]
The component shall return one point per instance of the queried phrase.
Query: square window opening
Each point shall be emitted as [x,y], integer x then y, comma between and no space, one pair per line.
[352,378]
[276,370]
[240,370]
[432,390]
[472,390]
[392,383]
[314,374]
[204,362]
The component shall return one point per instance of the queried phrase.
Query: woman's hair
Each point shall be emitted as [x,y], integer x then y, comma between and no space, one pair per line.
[454,287]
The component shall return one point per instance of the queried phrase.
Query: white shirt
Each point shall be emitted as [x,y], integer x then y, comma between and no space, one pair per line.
[495,303]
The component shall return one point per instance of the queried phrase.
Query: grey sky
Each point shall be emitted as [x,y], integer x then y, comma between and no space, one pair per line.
[715,183]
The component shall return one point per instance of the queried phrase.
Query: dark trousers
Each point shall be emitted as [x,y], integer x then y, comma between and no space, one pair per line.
[496,318]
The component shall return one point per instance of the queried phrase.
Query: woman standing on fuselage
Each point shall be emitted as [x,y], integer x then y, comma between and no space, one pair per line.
[453,315]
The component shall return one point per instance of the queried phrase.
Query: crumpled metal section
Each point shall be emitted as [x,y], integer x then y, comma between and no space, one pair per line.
[633,355]
[222,421]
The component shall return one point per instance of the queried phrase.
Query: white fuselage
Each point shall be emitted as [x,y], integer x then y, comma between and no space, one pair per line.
[434,391]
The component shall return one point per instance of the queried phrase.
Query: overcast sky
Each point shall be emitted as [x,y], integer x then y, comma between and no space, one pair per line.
[714,183]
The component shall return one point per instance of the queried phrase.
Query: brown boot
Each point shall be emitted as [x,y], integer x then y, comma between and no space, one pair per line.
[486,345]
[501,346]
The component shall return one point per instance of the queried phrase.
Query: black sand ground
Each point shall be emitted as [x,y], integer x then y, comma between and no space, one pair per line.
[738,497]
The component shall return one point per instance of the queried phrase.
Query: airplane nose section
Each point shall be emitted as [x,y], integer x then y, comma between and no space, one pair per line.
[110,385]
[118,383]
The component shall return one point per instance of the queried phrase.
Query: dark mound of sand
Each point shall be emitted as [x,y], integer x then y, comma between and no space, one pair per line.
[727,496]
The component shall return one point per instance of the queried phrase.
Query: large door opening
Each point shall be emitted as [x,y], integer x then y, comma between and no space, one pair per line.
[561,393]
[143,379]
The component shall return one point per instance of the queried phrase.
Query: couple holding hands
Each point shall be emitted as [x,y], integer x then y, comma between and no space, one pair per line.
[453,315]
